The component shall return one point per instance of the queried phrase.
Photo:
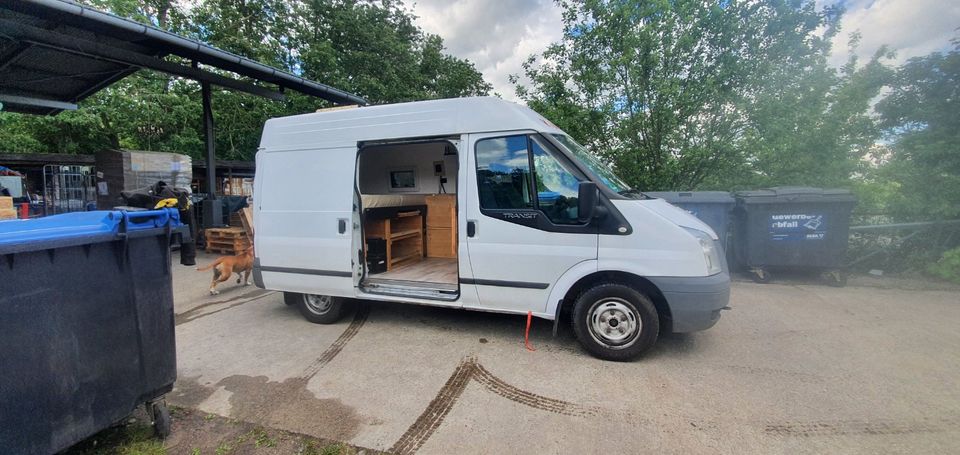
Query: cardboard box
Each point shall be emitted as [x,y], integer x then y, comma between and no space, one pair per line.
[8,214]
[6,202]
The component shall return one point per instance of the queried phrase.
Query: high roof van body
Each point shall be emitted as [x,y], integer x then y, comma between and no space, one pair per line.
[480,204]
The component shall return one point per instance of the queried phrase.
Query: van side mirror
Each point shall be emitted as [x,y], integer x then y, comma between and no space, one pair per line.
[587,201]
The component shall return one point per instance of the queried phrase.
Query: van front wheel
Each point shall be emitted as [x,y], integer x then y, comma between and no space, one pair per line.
[615,322]
[320,309]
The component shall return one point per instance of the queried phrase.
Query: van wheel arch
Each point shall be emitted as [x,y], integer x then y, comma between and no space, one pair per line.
[636,282]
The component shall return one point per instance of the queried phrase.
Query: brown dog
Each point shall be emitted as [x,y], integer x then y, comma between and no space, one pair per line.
[225,266]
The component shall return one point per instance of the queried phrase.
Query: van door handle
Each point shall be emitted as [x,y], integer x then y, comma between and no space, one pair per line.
[342,225]
[471,228]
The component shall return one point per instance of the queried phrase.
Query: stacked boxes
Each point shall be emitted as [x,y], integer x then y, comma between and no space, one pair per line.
[7,212]
[125,170]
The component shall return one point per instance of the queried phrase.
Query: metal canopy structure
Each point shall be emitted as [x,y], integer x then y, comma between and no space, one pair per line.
[55,53]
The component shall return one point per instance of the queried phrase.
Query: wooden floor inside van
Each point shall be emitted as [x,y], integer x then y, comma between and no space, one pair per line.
[431,270]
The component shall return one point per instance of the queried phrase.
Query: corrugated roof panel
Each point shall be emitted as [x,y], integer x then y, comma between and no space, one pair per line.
[38,59]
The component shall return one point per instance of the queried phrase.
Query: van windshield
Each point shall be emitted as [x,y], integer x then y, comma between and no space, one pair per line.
[591,161]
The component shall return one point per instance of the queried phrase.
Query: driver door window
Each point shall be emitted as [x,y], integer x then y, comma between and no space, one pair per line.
[557,188]
[506,180]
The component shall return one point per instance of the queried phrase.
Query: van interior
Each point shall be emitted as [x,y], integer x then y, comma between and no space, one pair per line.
[408,194]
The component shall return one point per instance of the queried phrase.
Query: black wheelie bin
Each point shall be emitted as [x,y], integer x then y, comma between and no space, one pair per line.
[793,228]
[86,324]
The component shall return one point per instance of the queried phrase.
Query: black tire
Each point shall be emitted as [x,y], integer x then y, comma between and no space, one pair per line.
[161,420]
[610,339]
[291,298]
[320,309]
[761,276]
[836,278]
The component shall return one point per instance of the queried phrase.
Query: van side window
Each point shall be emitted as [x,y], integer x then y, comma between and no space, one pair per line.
[503,173]
[506,181]
[557,188]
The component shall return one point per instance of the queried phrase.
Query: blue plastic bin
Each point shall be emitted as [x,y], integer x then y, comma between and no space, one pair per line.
[86,324]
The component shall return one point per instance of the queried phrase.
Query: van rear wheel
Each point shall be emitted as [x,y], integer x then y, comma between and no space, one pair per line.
[320,309]
[615,322]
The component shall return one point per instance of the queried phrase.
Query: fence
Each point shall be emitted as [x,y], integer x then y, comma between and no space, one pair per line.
[901,246]
[67,188]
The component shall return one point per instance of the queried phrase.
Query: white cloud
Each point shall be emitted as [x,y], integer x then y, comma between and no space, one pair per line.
[912,28]
[496,35]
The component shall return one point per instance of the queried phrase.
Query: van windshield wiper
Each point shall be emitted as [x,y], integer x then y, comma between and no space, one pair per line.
[634,192]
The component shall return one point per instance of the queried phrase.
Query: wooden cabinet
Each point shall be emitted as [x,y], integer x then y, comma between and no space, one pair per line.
[404,236]
[442,226]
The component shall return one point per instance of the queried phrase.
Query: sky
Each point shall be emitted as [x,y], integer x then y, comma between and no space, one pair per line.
[499,35]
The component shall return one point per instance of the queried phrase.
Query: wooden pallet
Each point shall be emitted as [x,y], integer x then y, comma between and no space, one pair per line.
[235,219]
[226,232]
[246,219]
[237,244]
[230,240]
[222,251]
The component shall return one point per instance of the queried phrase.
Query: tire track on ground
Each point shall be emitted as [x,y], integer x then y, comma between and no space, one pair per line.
[437,410]
[359,318]
[196,312]
[469,369]
[516,395]
[862,427]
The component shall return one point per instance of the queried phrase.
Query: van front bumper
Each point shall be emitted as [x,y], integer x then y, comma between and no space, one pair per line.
[695,302]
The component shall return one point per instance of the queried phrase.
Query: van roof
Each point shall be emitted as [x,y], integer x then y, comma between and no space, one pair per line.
[347,127]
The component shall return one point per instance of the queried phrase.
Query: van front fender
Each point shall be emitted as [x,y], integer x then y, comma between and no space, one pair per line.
[563,285]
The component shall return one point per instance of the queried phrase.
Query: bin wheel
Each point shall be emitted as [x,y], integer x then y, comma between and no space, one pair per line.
[836,278]
[760,275]
[161,419]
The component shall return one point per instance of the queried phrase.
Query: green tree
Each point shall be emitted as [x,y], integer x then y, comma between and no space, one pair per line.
[921,115]
[684,94]
[810,124]
[375,50]
[372,48]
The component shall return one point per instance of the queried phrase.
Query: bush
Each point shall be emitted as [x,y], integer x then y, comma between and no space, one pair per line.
[948,267]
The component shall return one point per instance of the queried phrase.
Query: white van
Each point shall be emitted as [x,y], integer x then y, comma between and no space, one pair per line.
[481,204]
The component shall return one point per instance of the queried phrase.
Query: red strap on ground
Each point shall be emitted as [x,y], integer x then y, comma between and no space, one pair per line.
[526,335]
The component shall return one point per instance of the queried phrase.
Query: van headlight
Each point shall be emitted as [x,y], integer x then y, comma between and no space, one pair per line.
[711,251]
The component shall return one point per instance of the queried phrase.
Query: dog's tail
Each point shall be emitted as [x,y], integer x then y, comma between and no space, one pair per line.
[211,265]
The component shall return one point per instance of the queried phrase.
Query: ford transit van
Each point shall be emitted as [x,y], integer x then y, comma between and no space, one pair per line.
[480,204]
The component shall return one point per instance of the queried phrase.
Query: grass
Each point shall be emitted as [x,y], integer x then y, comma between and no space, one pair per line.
[131,439]
[262,439]
[137,438]
[223,449]
[313,448]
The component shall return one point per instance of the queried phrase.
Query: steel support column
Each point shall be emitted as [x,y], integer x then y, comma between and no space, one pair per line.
[208,136]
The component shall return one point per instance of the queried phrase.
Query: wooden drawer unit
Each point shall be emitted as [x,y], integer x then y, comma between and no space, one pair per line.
[441,242]
[442,226]
[441,210]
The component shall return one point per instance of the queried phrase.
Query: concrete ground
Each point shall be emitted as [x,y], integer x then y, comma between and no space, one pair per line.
[792,368]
